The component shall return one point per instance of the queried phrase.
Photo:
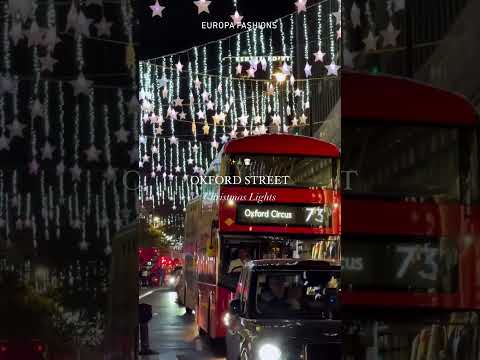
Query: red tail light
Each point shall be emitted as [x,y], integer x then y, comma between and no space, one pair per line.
[3,348]
[39,348]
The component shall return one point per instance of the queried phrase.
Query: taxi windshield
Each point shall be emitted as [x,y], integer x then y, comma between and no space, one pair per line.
[296,294]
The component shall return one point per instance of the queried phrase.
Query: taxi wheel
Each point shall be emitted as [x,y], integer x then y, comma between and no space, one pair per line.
[201,332]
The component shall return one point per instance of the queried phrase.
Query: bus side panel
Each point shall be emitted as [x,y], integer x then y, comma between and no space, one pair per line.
[224,296]
[205,293]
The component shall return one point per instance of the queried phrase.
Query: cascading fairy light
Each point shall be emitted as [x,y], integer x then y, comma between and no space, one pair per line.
[306,93]
[97,216]
[332,36]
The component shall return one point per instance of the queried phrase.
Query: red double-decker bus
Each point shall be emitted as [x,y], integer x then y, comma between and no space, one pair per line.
[410,231]
[281,202]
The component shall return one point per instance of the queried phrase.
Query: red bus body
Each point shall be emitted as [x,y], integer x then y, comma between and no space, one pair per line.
[398,102]
[213,299]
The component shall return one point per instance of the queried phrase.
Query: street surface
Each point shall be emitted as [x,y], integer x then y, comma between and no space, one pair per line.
[173,333]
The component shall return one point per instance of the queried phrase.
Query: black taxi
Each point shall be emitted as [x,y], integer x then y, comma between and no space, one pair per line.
[285,309]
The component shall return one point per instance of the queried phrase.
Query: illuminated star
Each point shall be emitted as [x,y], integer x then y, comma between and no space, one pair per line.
[390,35]
[338,17]
[301,6]
[179,66]
[104,27]
[237,19]
[332,69]
[4,143]
[182,115]
[33,167]
[215,144]
[16,128]
[60,169]
[355,16]
[251,72]
[319,55]
[163,81]
[109,174]
[34,35]
[233,133]
[37,109]
[159,130]
[47,62]
[178,102]
[308,70]
[303,119]
[210,105]
[205,95]
[157,9]
[370,42]
[195,148]
[83,24]
[122,135]
[286,69]
[298,92]
[201,114]
[173,140]
[202,6]
[81,85]
[238,69]
[206,128]
[47,151]
[51,39]
[224,138]
[145,158]
[190,161]
[243,120]
[76,172]
[198,83]
[92,153]
[246,133]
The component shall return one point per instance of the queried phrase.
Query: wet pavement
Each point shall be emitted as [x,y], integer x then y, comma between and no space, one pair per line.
[173,333]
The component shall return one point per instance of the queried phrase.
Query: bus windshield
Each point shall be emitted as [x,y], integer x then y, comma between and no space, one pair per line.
[301,171]
[408,159]
[298,294]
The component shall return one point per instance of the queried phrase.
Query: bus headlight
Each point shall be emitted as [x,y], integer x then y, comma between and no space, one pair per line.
[269,352]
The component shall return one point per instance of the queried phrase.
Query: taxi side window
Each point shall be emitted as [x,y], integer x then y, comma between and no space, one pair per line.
[242,289]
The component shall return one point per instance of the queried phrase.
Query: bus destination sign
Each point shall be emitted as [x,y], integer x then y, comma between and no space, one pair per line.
[293,215]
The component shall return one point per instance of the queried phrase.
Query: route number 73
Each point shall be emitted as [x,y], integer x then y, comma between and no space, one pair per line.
[314,214]
[410,255]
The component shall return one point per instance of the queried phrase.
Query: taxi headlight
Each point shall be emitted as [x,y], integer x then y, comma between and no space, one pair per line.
[269,352]
[171,281]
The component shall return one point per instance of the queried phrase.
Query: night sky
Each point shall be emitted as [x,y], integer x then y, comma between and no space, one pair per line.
[181,27]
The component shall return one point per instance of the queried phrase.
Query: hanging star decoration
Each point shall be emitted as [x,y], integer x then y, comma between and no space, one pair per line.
[16,32]
[34,35]
[47,151]
[202,6]
[93,153]
[157,9]
[104,27]
[332,69]
[173,140]
[355,15]
[81,85]
[238,69]
[390,35]
[179,66]
[206,128]
[122,135]
[370,42]
[16,128]
[33,167]
[308,70]
[224,139]
[237,19]
[301,6]
[47,62]
[4,143]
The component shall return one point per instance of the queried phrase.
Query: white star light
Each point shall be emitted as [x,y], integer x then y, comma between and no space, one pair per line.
[308,70]
[16,128]
[81,85]
[33,167]
[390,35]
[76,172]
[110,174]
[202,6]
[34,35]
[319,55]
[93,153]
[104,27]
[157,9]
[301,6]
[173,140]
[47,62]
[122,135]
[224,138]
[198,83]
[251,72]
[370,42]
[179,66]
[238,69]
[16,32]
[47,151]
[60,169]
[355,16]
[4,143]
[332,69]
[178,102]
[237,19]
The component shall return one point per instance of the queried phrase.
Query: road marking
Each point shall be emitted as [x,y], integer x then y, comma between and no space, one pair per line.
[146,294]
